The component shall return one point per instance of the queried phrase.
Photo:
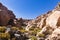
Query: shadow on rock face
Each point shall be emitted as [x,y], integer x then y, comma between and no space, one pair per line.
[11,22]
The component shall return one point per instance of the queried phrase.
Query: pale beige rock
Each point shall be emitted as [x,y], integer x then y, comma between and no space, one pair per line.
[52,20]
[40,21]
[55,35]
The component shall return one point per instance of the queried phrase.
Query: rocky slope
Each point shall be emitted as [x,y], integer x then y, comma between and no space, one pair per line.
[49,23]
[7,17]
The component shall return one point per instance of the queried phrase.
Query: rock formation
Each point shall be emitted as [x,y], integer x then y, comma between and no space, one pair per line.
[39,21]
[5,15]
[22,22]
[49,23]
[53,24]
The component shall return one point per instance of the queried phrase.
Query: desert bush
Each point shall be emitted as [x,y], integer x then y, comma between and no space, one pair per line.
[33,38]
[37,29]
[23,31]
[4,35]
[34,30]
[15,28]
[2,29]
[41,35]
[31,29]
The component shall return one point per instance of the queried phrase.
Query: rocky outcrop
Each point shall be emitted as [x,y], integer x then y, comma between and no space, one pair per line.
[49,23]
[39,21]
[52,27]
[53,19]
[22,22]
[55,35]
[5,15]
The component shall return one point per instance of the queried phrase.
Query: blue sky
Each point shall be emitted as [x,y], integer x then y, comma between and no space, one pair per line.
[29,9]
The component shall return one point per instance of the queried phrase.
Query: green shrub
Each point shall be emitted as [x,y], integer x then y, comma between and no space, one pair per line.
[37,29]
[41,35]
[15,28]
[4,35]
[33,38]
[32,28]
[2,29]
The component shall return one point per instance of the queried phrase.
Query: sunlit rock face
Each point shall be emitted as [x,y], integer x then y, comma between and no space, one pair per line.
[53,19]
[39,21]
[52,27]
[55,35]
[5,15]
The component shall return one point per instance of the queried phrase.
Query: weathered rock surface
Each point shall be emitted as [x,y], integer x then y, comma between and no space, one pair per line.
[5,15]
[49,23]
[40,21]
[53,19]
[52,25]
[55,35]
[22,22]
